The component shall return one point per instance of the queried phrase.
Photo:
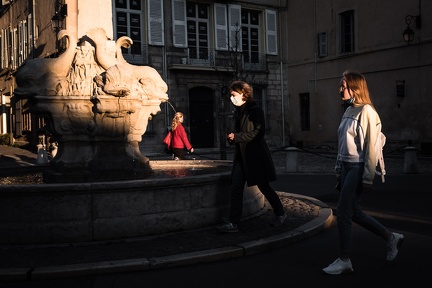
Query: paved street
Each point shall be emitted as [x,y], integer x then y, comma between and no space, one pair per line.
[402,204]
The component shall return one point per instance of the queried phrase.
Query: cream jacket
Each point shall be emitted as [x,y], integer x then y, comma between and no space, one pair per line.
[357,137]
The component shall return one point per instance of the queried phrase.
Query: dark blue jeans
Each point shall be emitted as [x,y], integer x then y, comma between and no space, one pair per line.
[237,186]
[349,210]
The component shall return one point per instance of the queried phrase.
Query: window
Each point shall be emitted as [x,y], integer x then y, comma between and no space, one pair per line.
[198,32]
[346,25]
[304,112]
[250,21]
[245,23]
[128,17]
[322,44]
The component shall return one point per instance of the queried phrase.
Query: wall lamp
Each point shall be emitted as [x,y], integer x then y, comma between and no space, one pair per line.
[59,16]
[408,34]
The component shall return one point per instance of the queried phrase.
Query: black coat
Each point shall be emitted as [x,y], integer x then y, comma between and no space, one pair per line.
[250,146]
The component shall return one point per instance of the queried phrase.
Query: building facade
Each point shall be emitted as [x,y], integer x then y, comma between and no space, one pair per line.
[293,52]
[199,48]
[327,37]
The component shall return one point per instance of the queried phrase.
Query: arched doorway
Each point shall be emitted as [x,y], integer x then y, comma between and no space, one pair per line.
[201,116]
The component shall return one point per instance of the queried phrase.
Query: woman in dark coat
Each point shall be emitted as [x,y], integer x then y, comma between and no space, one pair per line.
[252,162]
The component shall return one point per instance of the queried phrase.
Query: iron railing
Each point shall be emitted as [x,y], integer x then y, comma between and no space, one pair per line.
[139,55]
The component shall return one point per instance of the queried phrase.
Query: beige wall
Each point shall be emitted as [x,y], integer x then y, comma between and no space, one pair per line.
[380,53]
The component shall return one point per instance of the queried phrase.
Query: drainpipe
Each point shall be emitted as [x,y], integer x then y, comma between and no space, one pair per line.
[165,76]
[282,81]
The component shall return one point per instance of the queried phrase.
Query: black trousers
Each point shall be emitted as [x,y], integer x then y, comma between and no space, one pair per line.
[236,189]
[179,153]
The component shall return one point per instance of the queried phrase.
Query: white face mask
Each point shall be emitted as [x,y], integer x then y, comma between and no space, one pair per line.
[237,100]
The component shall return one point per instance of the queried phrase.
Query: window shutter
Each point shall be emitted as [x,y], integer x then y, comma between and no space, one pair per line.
[14,48]
[30,37]
[179,23]
[235,33]
[1,50]
[22,31]
[271,32]
[155,22]
[221,27]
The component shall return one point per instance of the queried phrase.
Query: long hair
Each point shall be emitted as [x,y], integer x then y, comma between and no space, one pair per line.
[356,82]
[242,88]
[176,120]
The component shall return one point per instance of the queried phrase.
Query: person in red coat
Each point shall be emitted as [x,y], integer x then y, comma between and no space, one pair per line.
[179,138]
[252,162]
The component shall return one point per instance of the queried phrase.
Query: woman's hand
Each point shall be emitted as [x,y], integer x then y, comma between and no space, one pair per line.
[230,136]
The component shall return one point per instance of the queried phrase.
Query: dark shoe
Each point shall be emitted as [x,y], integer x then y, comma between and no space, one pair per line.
[228,228]
[279,220]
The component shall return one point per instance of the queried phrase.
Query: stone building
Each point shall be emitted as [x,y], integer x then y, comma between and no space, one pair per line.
[198,47]
[293,52]
[327,37]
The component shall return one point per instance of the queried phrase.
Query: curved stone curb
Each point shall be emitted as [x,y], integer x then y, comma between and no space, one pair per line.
[323,220]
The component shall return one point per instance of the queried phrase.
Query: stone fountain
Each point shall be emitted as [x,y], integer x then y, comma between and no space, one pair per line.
[97,107]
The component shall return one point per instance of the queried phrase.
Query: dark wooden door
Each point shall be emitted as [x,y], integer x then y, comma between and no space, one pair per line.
[201,115]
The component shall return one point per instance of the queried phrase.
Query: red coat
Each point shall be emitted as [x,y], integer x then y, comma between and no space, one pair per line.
[179,138]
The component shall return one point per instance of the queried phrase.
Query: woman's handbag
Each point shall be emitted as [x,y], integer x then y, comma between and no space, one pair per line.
[167,140]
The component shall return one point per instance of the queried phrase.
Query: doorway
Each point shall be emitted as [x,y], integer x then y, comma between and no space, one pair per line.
[201,117]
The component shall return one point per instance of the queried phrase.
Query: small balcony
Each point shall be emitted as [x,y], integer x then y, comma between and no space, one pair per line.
[208,58]
[228,60]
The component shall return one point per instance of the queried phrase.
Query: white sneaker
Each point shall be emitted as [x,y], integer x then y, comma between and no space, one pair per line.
[228,228]
[393,246]
[339,266]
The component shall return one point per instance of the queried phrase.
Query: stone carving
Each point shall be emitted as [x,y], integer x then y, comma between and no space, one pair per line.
[97,107]
[46,76]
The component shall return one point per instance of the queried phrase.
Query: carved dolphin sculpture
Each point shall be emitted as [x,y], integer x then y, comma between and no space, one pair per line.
[99,37]
[34,76]
[148,77]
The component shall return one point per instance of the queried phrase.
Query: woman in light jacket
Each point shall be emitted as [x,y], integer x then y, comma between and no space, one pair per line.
[355,169]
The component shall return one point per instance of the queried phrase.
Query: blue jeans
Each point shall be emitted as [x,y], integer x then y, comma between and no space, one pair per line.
[348,209]
[238,180]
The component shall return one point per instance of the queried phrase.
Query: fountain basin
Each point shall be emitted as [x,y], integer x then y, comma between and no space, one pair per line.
[75,212]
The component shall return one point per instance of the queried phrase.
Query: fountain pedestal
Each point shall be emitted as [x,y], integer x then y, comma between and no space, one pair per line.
[191,194]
